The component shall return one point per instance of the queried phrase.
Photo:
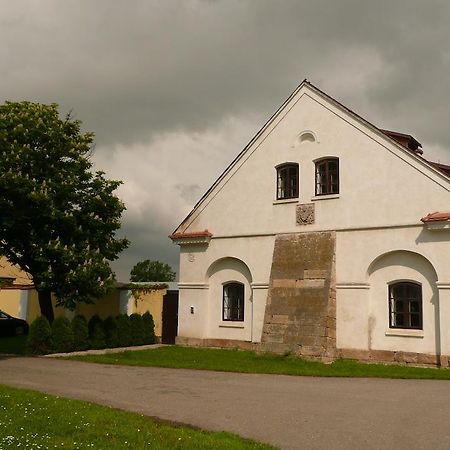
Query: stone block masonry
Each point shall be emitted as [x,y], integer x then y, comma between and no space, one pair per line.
[300,314]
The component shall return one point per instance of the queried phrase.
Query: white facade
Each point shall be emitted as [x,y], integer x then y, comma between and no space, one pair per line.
[384,191]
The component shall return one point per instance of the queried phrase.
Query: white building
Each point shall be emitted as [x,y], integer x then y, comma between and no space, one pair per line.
[317,239]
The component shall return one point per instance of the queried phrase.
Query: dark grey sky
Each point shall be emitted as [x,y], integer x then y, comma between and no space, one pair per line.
[174,89]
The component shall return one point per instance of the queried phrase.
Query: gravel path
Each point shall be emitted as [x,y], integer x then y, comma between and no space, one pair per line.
[289,412]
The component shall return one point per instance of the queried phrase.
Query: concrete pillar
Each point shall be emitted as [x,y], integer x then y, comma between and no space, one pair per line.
[126,302]
[23,304]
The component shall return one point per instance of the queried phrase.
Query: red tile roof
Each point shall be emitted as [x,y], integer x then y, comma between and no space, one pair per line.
[193,234]
[436,217]
[406,140]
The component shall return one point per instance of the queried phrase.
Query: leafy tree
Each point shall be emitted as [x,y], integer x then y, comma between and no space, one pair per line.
[58,218]
[152,271]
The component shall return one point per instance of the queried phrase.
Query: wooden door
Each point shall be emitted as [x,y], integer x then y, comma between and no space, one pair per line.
[170,317]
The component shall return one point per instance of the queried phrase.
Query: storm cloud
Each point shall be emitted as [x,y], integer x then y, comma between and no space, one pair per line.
[175,89]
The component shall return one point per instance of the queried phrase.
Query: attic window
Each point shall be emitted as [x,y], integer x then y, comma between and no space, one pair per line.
[287,181]
[327,176]
[307,136]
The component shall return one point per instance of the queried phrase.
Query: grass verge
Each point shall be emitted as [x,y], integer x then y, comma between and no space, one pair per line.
[251,362]
[34,420]
[15,345]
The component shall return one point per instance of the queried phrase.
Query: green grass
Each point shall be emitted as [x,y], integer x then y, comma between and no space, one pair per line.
[14,345]
[34,420]
[251,362]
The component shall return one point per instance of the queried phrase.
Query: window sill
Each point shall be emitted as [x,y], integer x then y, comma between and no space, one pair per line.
[324,197]
[287,200]
[404,332]
[231,325]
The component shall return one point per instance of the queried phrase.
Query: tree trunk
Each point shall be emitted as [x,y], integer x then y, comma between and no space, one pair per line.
[45,303]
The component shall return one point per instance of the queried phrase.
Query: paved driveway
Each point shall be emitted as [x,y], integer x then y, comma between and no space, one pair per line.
[289,412]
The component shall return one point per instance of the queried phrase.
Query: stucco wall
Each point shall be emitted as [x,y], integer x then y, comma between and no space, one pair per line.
[201,278]
[384,191]
[10,301]
[108,305]
[153,303]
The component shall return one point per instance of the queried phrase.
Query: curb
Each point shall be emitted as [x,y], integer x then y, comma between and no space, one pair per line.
[105,351]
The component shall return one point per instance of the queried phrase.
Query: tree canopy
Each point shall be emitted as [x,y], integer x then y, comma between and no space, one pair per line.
[152,271]
[58,217]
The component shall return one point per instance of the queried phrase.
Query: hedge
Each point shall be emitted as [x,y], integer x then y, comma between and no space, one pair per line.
[39,341]
[66,336]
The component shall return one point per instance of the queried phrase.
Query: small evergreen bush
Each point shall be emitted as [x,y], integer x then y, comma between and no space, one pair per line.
[97,337]
[111,332]
[123,330]
[149,328]
[62,335]
[80,333]
[137,329]
[39,341]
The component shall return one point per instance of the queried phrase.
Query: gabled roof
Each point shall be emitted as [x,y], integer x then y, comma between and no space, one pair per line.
[405,142]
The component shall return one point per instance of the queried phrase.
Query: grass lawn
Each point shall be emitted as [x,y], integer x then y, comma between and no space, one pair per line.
[251,362]
[13,345]
[34,420]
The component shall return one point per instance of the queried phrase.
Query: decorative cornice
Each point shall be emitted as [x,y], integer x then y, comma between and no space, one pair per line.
[22,287]
[195,237]
[443,284]
[352,285]
[193,286]
[260,285]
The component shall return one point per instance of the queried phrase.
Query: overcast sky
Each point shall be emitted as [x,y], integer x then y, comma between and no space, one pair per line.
[175,89]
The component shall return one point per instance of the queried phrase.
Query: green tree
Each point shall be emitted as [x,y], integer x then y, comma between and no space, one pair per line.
[152,271]
[58,218]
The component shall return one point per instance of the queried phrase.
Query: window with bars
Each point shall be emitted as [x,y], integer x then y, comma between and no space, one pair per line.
[233,302]
[327,176]
[287,181]
[405,305]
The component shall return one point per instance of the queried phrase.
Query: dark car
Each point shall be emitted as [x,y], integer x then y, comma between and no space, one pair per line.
[11,326]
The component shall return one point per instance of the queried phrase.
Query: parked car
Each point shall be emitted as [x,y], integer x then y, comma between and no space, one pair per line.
[12,326]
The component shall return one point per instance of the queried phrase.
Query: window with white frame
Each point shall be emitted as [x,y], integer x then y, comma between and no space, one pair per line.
[233,302]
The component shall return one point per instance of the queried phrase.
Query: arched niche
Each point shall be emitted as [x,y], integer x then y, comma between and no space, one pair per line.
[229,265]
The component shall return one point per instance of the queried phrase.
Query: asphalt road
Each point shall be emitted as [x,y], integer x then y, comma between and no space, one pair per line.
[288,412]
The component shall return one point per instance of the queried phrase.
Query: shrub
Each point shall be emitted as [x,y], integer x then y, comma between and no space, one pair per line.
[137,329]
[62,335]
[39,340]
[97,338]
[149,328]
[80,333]
[111,332]
[123,330]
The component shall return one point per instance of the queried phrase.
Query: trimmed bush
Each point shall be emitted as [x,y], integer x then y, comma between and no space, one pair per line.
[62,335]
[149,328]
[137,329]
[97,338]
[80,333]
[39,340]
[111,332]
[123,330]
